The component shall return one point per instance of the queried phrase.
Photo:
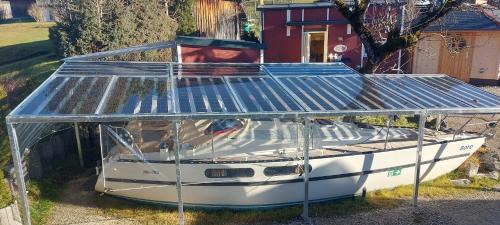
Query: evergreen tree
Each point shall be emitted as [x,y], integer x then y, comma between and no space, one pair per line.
[85,26]
[183,12]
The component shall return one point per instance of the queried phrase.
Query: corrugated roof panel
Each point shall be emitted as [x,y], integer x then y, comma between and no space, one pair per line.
[458,89]
[262,94]
[205,94]
[369,94]
[133,95]
[140,90]
[67,95]
[315,94]
[421,94]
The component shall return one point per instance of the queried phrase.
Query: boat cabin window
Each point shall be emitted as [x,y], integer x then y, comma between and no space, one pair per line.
[223,126]
[284,170]
[228,173]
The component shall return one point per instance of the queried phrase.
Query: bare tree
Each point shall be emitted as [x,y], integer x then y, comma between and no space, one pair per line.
[386,26]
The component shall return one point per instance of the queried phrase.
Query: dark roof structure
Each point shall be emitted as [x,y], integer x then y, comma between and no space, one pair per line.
[222,43]
[467,20]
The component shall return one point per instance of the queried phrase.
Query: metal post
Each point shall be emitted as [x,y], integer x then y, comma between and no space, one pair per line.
[78,144]
[212,138]
[421,127]
[101,143]
[307,132]
[18,167]
[177,145]
[388,124]
[462,127]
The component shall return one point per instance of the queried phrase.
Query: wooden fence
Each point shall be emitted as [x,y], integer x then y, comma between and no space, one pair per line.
[217,18]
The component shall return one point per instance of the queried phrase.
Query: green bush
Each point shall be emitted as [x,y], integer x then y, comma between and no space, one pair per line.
[402,121]
[5,195]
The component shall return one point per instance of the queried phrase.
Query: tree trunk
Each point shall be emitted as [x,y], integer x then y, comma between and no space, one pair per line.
[374,55]
[369,67]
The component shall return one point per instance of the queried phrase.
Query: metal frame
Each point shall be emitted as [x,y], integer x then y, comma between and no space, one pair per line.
[176,116]
[18,167]
[307,135]
[123,51]
[180,203]
[421,127]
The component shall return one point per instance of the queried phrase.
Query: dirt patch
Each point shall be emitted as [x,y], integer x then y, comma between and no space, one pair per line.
[78,205]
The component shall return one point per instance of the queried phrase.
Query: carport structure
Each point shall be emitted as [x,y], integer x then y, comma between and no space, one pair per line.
[82,91]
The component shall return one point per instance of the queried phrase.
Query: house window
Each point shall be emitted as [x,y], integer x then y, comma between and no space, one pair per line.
[285,170]
[229,173]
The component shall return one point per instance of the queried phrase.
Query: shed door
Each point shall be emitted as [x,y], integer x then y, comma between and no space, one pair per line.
[314,46]
[455,56]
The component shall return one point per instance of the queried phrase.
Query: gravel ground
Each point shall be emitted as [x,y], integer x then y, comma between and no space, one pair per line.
[78,202]
[77,206]
[482,207]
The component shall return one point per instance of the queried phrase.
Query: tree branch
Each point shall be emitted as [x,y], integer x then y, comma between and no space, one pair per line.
[434,14]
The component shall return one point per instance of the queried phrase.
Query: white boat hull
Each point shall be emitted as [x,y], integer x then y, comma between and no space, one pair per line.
[331,177]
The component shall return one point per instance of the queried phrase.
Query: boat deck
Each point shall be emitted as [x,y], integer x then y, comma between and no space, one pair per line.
[337,150]
[268,141]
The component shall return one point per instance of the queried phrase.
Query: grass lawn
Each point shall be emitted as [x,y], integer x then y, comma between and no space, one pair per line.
[26,60]
[24,40]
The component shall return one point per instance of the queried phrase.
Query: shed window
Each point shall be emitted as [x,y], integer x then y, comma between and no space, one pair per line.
[284,170]
[228,173]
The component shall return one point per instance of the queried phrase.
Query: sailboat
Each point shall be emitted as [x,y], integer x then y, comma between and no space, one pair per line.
[258,163]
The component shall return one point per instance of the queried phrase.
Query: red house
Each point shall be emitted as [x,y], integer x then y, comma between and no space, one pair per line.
[308,33]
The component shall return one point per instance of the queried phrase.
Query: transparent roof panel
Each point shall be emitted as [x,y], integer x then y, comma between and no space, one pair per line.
[67,95]
[114,68]
[301,69]
[465,92]
[132,95]
[262,94]
[421,94]
[315,94]
[204,94]
[217,70]
[368,94]
[89,89]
